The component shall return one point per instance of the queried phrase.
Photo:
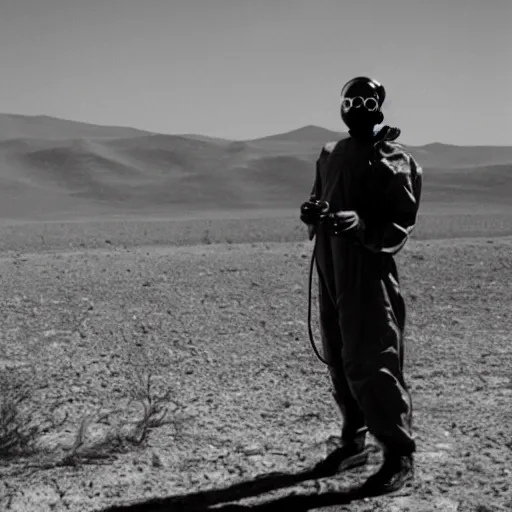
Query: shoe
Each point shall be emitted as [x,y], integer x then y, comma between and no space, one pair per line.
[395,472]
[350,454]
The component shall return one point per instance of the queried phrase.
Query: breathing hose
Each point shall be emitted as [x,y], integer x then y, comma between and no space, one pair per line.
[315,211]
[310,330]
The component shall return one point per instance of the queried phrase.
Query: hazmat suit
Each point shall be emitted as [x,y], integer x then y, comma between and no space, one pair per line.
[376,185]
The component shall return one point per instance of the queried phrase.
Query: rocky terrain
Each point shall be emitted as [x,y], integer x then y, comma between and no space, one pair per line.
[221,331]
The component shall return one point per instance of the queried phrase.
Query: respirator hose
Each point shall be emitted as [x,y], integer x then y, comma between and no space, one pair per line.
[310,330]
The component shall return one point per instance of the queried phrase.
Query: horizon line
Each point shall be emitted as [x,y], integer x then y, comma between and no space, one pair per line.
[199,134]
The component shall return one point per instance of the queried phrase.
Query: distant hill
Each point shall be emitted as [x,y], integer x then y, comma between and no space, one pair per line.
[53,167]
[14,126]
[450,156]
[309,133]
[206,138]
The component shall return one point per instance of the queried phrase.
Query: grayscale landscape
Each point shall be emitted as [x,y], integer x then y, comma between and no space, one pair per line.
[154,340]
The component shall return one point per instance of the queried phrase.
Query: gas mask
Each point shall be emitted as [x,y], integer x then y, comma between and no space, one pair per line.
[361,102]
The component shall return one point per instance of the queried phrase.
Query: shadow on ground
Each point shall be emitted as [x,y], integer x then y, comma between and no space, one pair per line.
[222,499]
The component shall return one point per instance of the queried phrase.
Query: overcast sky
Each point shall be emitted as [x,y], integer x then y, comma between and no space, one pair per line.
[246,68]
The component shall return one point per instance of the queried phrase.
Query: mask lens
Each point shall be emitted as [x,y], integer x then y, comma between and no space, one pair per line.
[371,104]
[346,103]
[357,102]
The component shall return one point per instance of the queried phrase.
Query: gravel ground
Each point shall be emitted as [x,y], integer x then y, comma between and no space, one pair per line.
[222,328]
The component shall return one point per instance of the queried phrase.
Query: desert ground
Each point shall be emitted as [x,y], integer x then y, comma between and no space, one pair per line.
[220,328]
[154,352]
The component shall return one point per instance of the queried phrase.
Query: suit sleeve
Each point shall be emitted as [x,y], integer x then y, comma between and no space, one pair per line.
[401,203]
[315,192]
[317,189]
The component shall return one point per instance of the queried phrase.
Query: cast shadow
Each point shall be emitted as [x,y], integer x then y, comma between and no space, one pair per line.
[205,501]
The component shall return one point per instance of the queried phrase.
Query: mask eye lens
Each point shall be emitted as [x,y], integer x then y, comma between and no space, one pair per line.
[371,104]
[357,102]
[346,103]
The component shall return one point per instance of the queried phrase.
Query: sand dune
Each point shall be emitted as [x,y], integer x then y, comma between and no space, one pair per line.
[50,166]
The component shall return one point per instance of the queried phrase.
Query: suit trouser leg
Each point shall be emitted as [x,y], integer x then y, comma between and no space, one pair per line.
[353,418]
[373,359]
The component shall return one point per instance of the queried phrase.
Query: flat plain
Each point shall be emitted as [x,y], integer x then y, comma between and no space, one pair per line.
[221,329]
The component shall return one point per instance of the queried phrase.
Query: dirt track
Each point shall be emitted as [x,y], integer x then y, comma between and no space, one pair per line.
[224,327]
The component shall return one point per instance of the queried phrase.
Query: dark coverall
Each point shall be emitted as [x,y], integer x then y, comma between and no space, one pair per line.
[362,311]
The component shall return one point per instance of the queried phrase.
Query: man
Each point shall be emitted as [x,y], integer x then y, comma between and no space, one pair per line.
[373,188]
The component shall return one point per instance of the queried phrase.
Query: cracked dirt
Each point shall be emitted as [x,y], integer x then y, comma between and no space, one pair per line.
[224,328]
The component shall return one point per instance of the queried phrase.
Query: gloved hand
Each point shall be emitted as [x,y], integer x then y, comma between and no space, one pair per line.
[344,222]
[312,211]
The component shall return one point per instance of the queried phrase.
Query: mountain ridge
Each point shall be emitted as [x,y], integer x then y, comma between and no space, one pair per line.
[56,168]
[309,132]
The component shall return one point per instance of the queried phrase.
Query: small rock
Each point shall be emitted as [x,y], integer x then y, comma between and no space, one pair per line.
[446,505]
[267,463]
[156,461]
[214,476]
[253,449]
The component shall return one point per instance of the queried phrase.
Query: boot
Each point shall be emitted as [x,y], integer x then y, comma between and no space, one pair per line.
[396,471]
[350,454]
